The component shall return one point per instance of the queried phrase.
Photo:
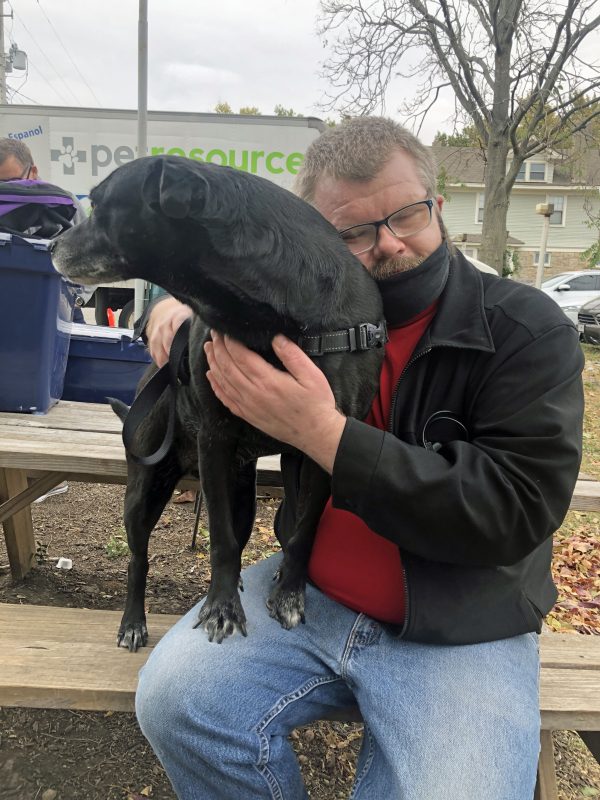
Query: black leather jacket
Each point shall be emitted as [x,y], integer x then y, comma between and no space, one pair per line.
[478,466]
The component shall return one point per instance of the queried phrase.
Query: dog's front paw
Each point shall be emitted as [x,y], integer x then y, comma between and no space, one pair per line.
[221,618]
[132,635]
[286,606]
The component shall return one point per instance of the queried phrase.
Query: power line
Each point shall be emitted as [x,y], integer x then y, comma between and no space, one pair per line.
[68,54]
[52,87]
[60,77]
[31,100]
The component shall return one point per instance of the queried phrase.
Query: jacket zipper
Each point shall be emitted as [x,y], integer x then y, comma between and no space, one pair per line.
[390,430]
[402,374]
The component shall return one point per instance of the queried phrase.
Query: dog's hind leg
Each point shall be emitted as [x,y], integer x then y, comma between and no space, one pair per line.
[244,511]
[286,601]
[230,494]
[148,492]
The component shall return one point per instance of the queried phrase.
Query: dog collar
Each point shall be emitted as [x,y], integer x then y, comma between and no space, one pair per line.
[365,336]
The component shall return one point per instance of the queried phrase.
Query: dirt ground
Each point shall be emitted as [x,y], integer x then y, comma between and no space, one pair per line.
[72,755]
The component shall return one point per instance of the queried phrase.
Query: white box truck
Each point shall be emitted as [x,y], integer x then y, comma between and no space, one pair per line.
[76,148]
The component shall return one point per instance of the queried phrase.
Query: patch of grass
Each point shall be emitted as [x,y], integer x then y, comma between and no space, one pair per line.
[117,546]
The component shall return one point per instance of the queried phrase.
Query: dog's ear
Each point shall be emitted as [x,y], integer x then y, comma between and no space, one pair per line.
[169,187]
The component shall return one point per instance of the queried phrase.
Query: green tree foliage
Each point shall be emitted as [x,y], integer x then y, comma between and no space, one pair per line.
[281,111]
[468,137]
[225,108]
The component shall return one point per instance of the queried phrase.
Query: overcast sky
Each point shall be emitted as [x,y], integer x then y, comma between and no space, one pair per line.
[244,52]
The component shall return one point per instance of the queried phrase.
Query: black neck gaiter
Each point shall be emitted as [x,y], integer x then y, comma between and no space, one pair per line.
[409,293]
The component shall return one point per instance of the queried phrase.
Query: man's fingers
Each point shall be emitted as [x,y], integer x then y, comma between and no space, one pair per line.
[221,395]
[230,377]
[295,360]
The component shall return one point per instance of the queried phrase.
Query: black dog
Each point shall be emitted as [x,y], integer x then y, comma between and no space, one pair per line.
[252,260]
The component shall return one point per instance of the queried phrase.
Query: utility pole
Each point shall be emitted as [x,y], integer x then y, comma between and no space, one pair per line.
[140,285]
[545,210]
[2,58]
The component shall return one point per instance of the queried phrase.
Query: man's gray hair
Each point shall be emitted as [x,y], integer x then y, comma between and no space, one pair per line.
[357,150]
[20,151]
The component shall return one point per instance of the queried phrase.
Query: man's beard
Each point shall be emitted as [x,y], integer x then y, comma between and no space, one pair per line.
[392,266]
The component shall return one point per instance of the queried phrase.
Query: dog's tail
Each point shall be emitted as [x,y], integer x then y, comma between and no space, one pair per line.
[120,408]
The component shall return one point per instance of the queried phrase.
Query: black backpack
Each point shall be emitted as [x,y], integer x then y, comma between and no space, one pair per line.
[35,209]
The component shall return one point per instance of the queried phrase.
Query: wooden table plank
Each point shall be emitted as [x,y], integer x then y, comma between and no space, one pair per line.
[570,651]
[56,437]
[570,702]
[586,496]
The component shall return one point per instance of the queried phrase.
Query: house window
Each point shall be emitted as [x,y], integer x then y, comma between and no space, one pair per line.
[537,171]
[536,258]
[521,173]
[470,252]
[480,202]
[558,201]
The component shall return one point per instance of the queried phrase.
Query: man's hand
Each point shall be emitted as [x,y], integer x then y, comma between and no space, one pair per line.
[163,323]
[297,406]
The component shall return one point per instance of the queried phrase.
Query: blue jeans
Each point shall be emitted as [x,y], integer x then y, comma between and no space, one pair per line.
[441,723]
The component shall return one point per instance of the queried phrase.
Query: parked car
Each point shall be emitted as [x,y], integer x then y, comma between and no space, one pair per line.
[571,290]
[588,322]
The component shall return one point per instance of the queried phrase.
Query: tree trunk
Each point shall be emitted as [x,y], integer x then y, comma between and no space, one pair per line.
[493,232]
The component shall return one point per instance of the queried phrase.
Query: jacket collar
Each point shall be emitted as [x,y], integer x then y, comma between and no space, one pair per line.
[460,320]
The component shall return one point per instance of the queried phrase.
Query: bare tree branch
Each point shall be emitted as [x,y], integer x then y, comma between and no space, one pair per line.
[517,70]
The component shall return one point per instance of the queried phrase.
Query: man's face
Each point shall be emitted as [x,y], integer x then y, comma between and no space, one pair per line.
[346,203]
[12,169]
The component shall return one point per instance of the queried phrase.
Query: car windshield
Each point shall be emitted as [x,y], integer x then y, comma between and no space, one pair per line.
[556,279]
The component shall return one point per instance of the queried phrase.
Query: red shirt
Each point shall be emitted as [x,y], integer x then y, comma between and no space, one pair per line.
[350,562]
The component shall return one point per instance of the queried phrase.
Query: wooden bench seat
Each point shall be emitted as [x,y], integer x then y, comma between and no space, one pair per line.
[68,658]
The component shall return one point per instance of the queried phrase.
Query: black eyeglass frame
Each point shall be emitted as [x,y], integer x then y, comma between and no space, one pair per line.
[386,221]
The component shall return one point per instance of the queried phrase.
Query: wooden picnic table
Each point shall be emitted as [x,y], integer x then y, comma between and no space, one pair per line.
[82,442]
[72,442]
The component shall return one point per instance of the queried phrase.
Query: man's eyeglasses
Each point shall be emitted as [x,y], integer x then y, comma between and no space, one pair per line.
[407,221]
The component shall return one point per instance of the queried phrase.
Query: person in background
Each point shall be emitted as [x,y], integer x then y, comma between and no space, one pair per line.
[17,163]
[430,570]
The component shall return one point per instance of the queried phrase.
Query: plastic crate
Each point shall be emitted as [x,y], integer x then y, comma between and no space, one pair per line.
[103,362]
[36,308]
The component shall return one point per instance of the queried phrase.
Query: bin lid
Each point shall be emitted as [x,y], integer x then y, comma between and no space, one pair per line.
[13,238]
[101,332]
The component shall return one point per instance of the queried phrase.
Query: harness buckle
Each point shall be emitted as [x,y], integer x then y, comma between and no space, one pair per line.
[367,336]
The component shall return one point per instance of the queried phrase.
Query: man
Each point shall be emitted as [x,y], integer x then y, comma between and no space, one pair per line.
[430,571]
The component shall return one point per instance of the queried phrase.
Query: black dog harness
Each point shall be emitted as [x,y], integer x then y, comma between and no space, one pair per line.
[176,372]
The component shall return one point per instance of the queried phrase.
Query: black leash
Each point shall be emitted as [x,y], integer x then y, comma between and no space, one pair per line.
[176,372]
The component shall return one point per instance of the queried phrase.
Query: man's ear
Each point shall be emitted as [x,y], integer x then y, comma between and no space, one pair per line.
[169,187]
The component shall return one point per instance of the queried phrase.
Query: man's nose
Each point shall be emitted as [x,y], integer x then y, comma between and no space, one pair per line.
[387,245]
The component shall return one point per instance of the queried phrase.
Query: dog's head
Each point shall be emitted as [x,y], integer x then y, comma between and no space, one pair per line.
[217,238]
[131,224]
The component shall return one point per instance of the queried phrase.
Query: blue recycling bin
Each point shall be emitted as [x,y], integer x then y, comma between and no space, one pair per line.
[36,309]
[103,362]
